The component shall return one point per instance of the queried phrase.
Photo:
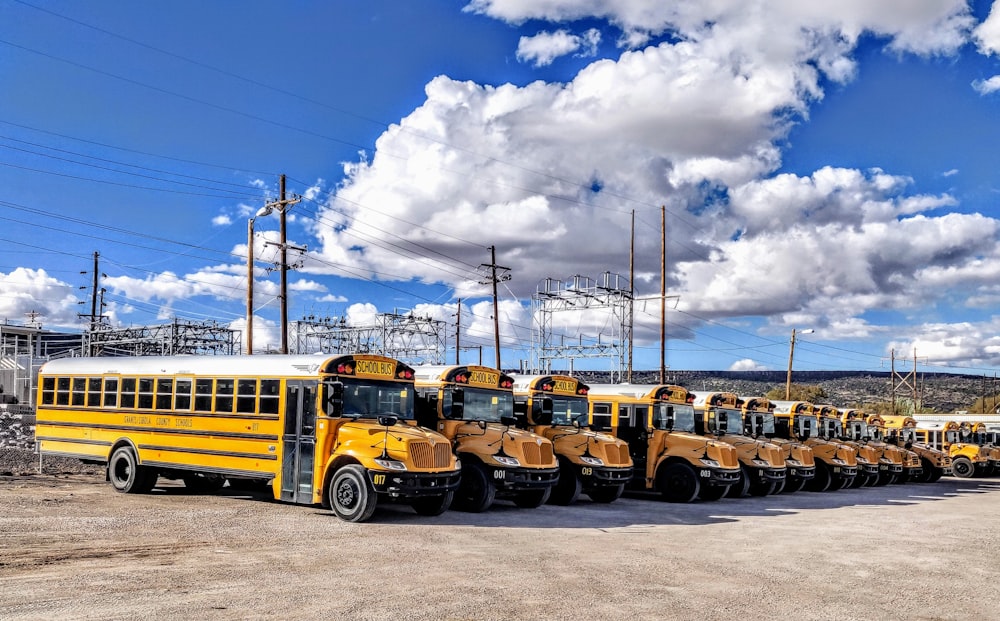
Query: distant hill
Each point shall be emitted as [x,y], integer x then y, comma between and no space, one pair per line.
[942,392]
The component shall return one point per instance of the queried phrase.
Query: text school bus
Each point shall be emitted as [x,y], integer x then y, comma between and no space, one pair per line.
[473,406]
[593,463]
[323,429]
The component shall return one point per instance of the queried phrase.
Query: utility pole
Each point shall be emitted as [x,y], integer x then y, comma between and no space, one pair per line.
[788,377]
[282,205]
[494,279]
[663,295]
[458,331]
[631,299]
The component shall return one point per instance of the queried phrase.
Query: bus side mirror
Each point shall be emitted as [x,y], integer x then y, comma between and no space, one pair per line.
[333,401]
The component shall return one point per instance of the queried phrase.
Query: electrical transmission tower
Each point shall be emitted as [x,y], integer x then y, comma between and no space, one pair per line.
[412,339]
[177,337]
[607,302]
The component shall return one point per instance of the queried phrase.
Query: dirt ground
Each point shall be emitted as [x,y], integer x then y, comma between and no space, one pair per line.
[72,548]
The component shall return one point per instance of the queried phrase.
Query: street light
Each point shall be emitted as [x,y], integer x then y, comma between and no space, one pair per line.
[263,211]
[791,354]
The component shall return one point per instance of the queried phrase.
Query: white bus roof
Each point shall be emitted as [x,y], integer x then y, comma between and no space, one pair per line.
[295,365]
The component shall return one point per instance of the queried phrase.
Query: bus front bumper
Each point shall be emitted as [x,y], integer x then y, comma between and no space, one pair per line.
[603,476]
[413,484]
[801,473]
[522,479]
[719,476]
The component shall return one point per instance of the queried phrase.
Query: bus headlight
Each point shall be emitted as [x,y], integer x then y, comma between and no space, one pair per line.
[390,464]
[838,461]
[793,462]
[760,463]
[506,461]
[711,463]
[593,461]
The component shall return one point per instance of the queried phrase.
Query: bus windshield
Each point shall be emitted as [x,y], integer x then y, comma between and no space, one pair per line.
[874,433]
[728,421]
[805,426]
[766,429]
[566,410]
[480,404]
[683,417]
[856,430]
[371,398]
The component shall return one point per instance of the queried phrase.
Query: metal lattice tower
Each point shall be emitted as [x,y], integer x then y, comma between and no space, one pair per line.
[178,337]
[404,336]
[611,295]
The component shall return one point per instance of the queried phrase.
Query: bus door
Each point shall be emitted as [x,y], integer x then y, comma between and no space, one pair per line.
[299,441]
[632,421]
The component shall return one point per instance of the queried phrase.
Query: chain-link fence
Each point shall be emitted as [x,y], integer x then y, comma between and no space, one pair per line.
[17,426]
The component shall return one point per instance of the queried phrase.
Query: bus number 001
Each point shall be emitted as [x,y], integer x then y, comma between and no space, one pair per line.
[378,479]
[499,474]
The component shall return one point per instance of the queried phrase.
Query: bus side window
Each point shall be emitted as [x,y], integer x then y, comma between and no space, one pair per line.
[182,400]
[269,396]
[246,396]
[601,417]
[128,392]
[203,395]
[79,390]
[110,392]
[93,392]
[48,391]
[164,393]
[224,395]
[146,393]
[62,391]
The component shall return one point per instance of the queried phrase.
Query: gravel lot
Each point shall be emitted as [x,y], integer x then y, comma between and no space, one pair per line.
[71,547]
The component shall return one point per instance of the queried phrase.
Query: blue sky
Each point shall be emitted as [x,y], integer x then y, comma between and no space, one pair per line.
[824,166]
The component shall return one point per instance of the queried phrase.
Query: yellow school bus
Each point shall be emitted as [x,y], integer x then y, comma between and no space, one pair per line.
[902,431]
[912,467]
[762,464]
[858,430]
[657,422]
[337,430]
[967,459]
[590,462]
[473,406]
[976,433]
[836,464]
[832,427]
[758,422]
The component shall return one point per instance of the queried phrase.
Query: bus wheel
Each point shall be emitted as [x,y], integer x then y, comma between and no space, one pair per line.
[741,488]
[962,468]
[678,483]
[568,488]
[884,478]
[532,498]
[936,473]
[766,488]
[608,493]
[126,475]
[820,482]
[203,483]
[476,490]
[713,492]
[794,485]
[927,474]
[433,505]
[351,495]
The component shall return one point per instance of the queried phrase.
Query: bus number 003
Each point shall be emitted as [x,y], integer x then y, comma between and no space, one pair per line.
[378,479]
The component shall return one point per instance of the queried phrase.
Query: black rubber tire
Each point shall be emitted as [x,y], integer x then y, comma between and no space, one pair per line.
[606,493]
[794,485]
[678,482]
[476,492]
[963,468]
[712,492]
[927,476]
[768,488]
[569,486]
[126,475]
[351,495]
[859,480]
[202,482]
[779,487]
[884,478]
[936,474]
[433,505]
[741,488]
[532,498]
[821,482]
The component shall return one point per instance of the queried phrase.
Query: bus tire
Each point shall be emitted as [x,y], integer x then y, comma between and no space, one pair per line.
[766,488]
[741,488]
[820,482]
[476,491]
[936,473]
[884,478]
[568,488]
[433,505]
[927,474]
[713,492]
[794,485]
[126,475]
[203,482]
[962,468]
[607,493]
[351,495]
[678,482]
[532,498]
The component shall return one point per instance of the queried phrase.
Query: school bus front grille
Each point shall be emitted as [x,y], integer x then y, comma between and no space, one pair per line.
[535,455]
[423,455]
[616,455]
